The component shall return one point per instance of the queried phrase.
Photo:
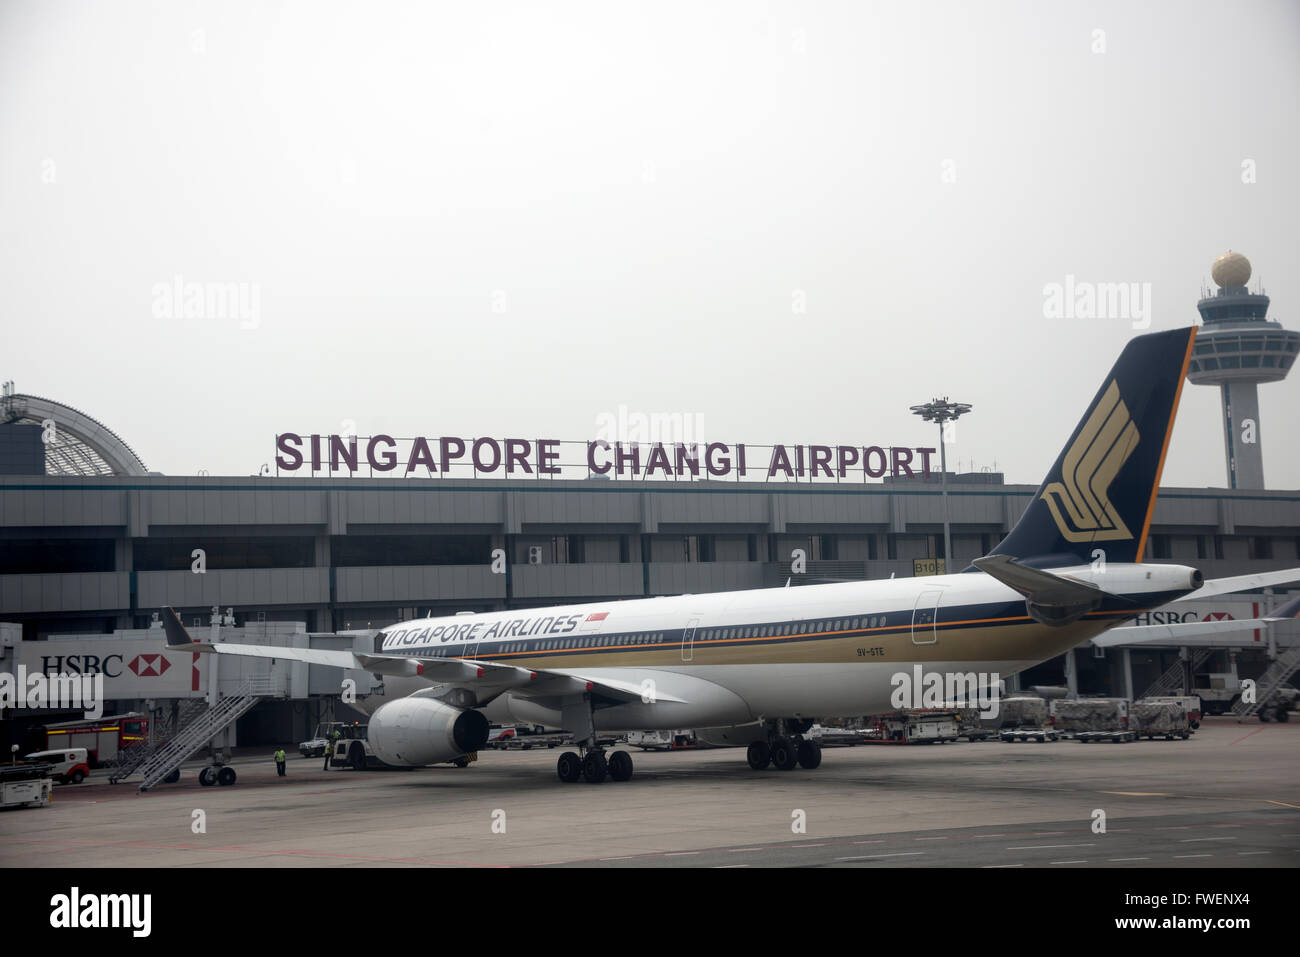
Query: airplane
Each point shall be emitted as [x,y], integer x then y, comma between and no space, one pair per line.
[758,667]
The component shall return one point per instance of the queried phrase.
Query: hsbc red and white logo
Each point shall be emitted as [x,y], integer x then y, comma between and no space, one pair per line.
[149,666]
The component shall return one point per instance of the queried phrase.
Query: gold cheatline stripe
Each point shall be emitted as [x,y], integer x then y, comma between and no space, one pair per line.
[1169,431]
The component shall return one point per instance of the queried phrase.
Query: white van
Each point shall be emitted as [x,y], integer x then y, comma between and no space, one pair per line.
[71,765]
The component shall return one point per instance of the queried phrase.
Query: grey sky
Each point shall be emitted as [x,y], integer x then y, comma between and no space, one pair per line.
[507,219]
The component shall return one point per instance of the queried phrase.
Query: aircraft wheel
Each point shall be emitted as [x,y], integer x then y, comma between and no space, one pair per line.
[594,767]
[759,755]
[569,767]
[620,766]
[810,754]
[785,754]
[226,776]
[208,777]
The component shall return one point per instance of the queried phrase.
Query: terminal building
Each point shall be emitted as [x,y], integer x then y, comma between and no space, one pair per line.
[92,543]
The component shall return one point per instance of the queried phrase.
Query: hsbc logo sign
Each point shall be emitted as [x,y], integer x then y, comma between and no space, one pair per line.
[149,666]
[132,668]
[1176,617]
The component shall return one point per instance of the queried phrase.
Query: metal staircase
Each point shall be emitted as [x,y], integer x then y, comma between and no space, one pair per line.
[1282,668]
[1171,682]
[161,730]
[195,735]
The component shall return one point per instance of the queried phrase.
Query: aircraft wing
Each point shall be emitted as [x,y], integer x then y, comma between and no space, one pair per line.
[1192,632]
[488,678]
[1176,632]
[1226,586]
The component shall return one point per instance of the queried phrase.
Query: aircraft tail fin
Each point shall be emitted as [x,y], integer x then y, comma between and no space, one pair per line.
[1101,492]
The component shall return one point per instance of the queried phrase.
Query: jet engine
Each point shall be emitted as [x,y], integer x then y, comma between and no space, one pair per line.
[415,731]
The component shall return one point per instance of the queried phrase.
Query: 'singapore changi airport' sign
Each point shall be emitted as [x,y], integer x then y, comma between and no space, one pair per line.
[446,456]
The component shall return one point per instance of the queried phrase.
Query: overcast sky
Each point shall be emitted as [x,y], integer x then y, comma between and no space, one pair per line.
[789,221]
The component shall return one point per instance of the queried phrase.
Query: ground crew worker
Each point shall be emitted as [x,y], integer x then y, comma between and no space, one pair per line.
[331,746]
[279,762]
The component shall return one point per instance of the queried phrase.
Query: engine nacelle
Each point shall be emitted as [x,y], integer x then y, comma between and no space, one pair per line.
[417,731]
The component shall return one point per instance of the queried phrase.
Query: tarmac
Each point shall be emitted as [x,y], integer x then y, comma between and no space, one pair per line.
[1228,797]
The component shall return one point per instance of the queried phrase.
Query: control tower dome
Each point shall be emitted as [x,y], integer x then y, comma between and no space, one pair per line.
[1237,348]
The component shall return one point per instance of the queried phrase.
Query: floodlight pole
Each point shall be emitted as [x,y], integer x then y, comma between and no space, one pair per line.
[941,412]
[943,484]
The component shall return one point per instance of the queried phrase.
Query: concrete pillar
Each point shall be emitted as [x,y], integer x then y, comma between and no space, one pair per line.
[1126,671]
[1071,674]
[1241,421]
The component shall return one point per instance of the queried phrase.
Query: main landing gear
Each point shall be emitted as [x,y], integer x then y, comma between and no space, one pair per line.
[594,766]
[591,763]
[785,746]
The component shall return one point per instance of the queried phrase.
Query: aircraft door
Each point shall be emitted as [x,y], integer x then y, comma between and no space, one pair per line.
[688,639]
[924,616]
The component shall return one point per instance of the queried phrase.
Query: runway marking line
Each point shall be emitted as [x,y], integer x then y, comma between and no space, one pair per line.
[1245,736]
[1044,847]
[1179,857]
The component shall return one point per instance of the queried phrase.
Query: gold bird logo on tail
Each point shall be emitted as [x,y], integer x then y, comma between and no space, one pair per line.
[1080,503]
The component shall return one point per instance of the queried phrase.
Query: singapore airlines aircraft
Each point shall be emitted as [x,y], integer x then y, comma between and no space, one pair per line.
[760,666]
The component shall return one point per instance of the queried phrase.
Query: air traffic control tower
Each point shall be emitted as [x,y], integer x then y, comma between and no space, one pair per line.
[1236,349]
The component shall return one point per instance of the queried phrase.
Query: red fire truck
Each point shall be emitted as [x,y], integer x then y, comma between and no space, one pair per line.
[102,738]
